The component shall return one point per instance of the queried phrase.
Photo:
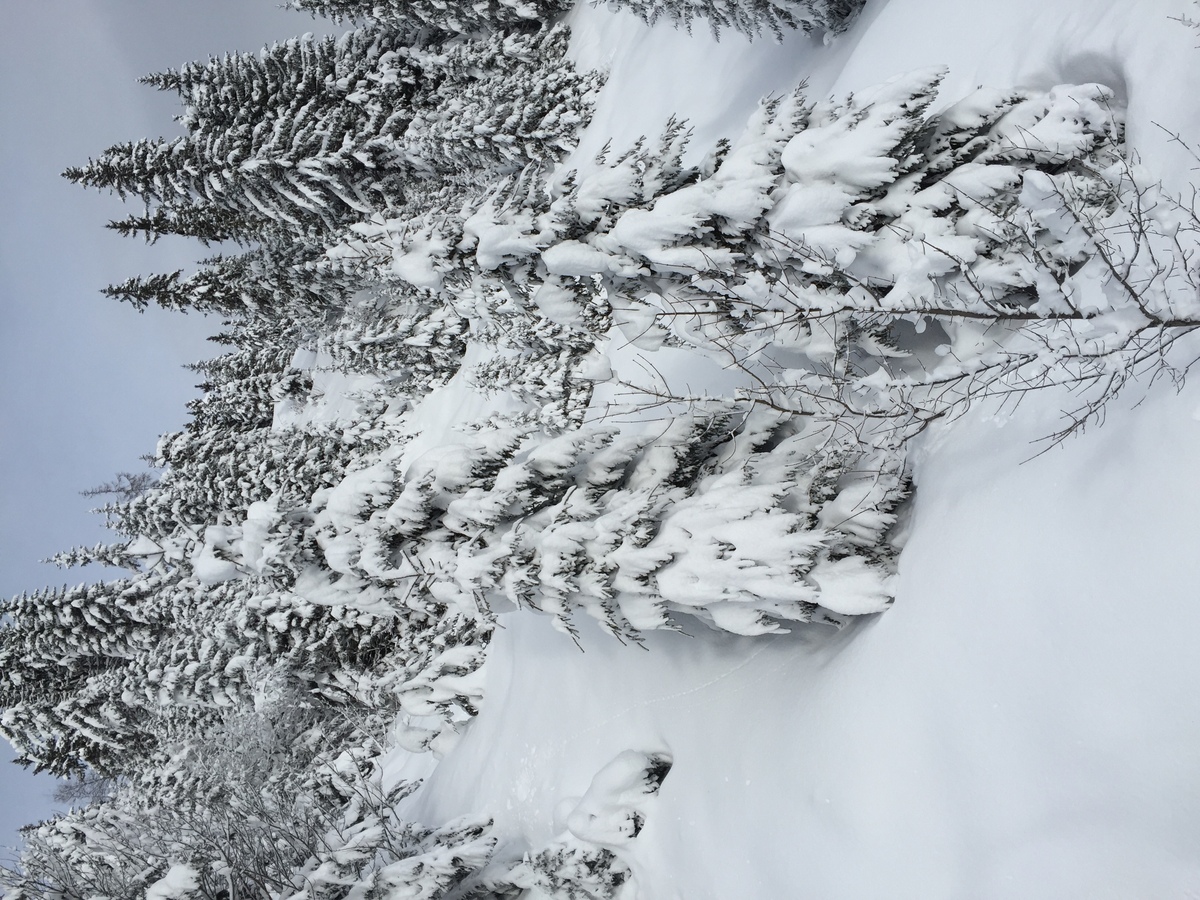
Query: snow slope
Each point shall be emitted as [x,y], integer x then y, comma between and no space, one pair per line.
[1023,723]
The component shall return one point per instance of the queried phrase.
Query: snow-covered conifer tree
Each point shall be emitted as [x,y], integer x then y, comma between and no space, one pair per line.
[276,280]
[312,582]
[64,653]
[300,137]
[753,17]
[495,104]
[454,16]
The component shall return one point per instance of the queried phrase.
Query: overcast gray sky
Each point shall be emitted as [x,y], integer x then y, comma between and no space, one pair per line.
[86,384]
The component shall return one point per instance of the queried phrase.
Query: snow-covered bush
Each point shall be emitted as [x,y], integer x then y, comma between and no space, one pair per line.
[257,805]
[585,862]
[571,870]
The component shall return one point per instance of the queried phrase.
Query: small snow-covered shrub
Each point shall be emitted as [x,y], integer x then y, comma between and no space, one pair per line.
[572,870]
[258,805]
[585,863]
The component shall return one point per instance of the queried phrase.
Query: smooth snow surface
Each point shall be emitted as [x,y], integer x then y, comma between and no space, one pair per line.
[1024,722]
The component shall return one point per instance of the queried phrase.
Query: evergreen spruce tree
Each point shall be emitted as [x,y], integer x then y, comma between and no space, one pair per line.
[753,17]
[273,281]
[64,652]
[493,105]
[453,16]
[301,138]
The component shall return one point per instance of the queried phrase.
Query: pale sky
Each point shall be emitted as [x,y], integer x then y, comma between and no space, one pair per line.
[86,384]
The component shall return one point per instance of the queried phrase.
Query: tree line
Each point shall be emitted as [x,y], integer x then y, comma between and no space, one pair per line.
[312,571]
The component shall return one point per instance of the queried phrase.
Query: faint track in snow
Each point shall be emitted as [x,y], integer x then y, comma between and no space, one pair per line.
[667,698]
